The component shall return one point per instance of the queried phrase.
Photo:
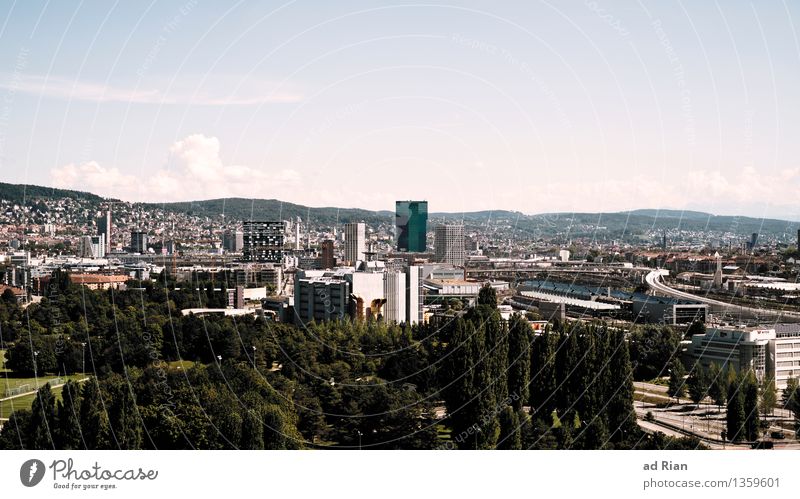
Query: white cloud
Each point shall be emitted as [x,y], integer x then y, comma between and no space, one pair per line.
[194,171]
[213,92]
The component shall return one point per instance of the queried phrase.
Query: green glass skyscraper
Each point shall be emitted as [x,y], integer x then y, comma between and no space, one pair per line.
[411,219]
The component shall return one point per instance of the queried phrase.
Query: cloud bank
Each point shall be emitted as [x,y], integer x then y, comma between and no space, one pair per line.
[193,171]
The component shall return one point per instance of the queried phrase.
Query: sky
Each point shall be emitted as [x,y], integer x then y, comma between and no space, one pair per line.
[533,106]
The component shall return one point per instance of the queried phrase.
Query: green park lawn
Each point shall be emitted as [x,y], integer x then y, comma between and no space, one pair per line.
[9,406]
[8,382]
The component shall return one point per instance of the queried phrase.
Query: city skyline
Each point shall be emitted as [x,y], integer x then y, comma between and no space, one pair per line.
[584,108]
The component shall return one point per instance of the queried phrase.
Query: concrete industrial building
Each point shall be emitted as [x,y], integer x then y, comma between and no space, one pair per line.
[263,241]
[449,244]
[411,223]
[355,242]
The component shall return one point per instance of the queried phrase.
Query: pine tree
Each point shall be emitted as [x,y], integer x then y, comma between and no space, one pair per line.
[769,397]
[751,424]
[735,416]
[698,383]
[95,427]
[44,421]
[519,360]
[510,437]
[252,431]
[482,409]
[718,387]
[621,414]
[543,375]
[68,408]
[677,385]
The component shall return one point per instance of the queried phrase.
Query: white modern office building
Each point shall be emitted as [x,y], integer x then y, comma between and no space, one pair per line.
[771,352]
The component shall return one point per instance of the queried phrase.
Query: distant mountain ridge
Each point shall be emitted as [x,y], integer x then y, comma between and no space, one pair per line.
[602,225]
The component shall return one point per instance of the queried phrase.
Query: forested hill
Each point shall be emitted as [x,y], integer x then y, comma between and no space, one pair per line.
[247,209]
[20,193]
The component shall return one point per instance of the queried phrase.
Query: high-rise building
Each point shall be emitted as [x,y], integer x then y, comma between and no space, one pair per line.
[449,244]
[414,298]
[92,246]
[327,257]
[104,228]
[297,237]
[411,222]
[394,291]
[233,241]
[139,242]
[263,241]
[355,241]
[753,240]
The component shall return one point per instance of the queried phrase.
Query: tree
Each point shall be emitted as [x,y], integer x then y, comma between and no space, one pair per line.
[791,396]
[519,360]
[697,327]
[510,438]
[769,397]
[677,385]
[69,424]
[751,422]
[44,423]
[487,296]
[791,401]
[543,375]
[698,383]
[14,434]
[652,348]
[718,386]
[735,415]
[620,410]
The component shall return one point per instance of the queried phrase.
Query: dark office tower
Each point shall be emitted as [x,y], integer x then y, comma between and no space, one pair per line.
[798,238]
[263,241]
[104,229]
[411,219]
[664,240]
[753,239]
[139,242]
[328,259]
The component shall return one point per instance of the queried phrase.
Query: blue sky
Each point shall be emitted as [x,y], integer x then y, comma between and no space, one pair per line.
[531,106]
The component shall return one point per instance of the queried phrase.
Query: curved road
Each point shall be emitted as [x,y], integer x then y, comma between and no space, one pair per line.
[653,280]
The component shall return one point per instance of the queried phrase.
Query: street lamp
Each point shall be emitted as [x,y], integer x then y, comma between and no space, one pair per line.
[254,357]
[359,438]
[83,357]
[36,364]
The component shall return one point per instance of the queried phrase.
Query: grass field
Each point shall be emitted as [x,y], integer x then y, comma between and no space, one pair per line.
[183,364]
[9,406]
[7,382]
